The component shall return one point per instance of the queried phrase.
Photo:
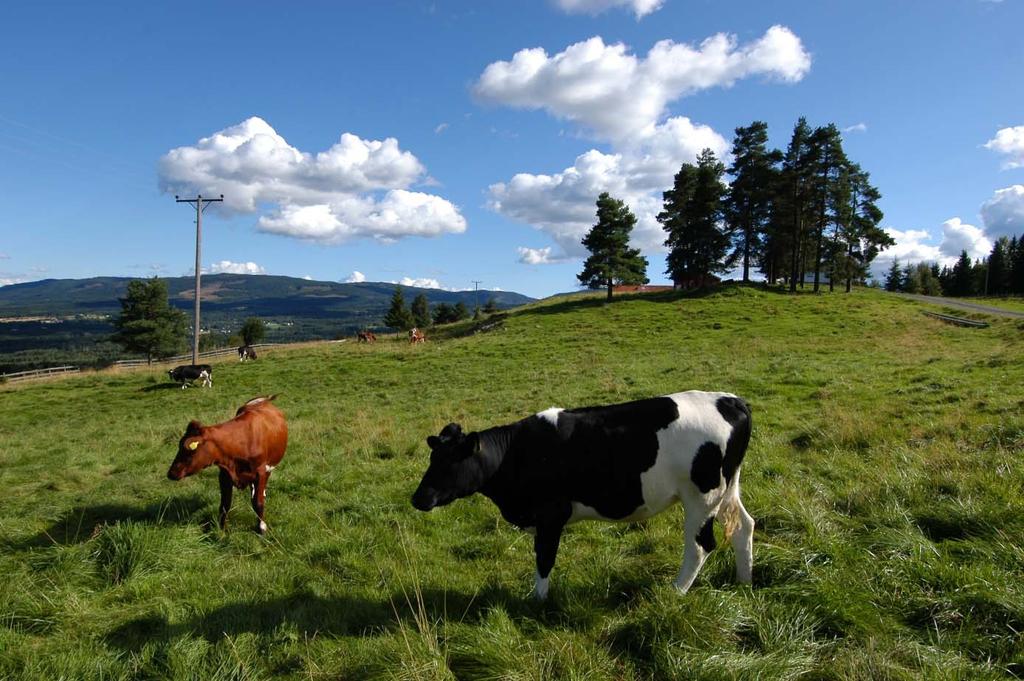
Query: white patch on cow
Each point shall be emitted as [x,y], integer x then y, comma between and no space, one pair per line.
[540,586]
[268,467]
[263,526]
[551,415]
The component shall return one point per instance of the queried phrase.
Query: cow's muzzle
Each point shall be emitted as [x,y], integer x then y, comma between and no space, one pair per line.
[424,500]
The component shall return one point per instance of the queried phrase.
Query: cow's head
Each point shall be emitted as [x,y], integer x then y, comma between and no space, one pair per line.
[453,472]
[194,453]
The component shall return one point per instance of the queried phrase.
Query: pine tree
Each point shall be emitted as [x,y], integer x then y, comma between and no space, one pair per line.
[460,312]
[828,160]
[398,317]
[1016,258]
[491,306]
[894,278]
[861,232]
[443,313]
[909,282]
[962,283]
[748,203]
[692,216]
[999,267]
[148,324]
[421,311]
[794,186]
[611,259]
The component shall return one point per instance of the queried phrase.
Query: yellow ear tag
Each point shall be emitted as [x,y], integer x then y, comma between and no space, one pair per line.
[194,445]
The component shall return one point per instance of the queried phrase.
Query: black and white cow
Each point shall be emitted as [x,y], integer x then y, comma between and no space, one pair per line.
[246,352]
[188,373]
[624,462]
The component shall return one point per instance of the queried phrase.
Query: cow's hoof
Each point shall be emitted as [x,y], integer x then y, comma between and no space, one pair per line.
[261,528]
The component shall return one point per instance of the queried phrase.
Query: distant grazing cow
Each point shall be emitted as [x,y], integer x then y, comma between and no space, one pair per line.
[246,449]
[366,337]
[246,352]
[417,336]
[189,373]
[624,462]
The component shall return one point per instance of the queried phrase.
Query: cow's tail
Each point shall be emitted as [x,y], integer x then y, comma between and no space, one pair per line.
[738,415]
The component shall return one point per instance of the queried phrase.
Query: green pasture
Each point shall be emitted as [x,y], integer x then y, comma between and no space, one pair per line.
[884,474]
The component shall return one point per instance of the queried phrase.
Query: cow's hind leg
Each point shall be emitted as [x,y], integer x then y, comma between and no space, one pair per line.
[698,537]
[739,527]
[259,496]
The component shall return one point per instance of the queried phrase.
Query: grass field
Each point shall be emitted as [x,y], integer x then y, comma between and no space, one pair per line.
[884,474]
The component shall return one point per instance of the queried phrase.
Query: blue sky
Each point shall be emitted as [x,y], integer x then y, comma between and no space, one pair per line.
[444,142]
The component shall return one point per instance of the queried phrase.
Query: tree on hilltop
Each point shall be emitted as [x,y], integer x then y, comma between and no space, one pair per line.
[748,204]
[611,259]
[692,217]
[398,316]
[148,324]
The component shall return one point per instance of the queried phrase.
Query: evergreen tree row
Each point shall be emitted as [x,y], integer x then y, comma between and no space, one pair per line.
[1002,273]
[807,213]
[403,317]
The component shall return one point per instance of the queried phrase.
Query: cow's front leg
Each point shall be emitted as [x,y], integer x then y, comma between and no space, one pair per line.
[545,545]
[226,490]
[259,496]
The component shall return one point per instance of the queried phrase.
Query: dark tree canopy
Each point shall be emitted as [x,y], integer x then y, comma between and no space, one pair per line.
[611,259]
[421,311]
[398,316]
[692,216]
[148,324]
[253,330]
[748,204]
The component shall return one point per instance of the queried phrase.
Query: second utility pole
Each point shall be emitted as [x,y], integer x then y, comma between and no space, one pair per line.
[198,202]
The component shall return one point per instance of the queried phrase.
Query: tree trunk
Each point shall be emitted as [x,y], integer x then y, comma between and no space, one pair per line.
[746,259]
[609,290]
[797,237]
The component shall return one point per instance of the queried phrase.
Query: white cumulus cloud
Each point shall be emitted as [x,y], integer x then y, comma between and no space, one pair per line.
[356,188]
[912,246]
[228,267]
[537,256]
[356,277]
[1003,214]
[856,127]
[616,94]
[958,236]
[1009,142]
[424,282]
[640,8]
[622,99]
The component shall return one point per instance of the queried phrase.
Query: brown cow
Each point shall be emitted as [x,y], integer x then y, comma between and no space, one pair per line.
[246,449]
[417,336]
[366,336]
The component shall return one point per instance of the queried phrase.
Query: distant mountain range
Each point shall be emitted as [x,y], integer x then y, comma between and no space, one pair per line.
[236,295]
[70,320]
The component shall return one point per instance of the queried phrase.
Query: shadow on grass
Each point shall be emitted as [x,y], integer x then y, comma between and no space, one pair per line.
[161,386]
[81,523]
[311,615]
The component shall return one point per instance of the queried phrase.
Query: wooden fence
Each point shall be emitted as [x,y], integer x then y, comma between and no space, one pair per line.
[135,363]
[17,376]
[33,374]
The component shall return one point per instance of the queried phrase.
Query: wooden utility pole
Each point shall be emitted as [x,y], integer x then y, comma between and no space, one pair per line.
[200,203]
[476,296]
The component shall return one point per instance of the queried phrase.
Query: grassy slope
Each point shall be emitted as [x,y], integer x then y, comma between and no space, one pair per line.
[884,475]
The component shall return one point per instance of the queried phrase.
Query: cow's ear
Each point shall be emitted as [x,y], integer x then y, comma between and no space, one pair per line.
[433,441]
[194,428]
[193,446]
